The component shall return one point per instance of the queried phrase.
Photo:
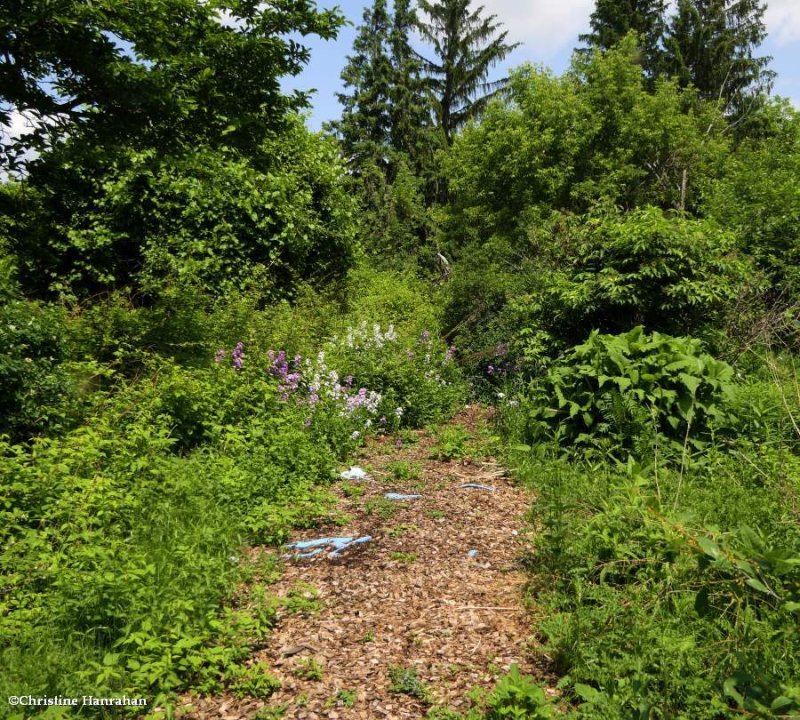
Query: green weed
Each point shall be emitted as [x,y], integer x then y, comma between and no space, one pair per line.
[308,669]
[452,444]
[302,599]
[401,530]
[405,681]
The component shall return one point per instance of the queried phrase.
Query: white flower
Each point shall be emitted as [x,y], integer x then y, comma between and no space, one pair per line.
[355,435]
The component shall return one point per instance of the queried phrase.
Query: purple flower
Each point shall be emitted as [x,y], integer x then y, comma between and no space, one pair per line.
[307,423]
[288,381]
[451,351]
[425,337]
[349,381]
[237,356]
[220,356]
[491,370]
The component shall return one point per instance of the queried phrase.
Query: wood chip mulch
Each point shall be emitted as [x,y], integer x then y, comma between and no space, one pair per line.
[411,598]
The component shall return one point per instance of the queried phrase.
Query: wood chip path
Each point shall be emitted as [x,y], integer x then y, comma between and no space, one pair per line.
[411,598]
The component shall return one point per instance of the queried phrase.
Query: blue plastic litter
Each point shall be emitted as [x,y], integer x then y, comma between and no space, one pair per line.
[399,496]
[473,553]
[478,487]
[339,544]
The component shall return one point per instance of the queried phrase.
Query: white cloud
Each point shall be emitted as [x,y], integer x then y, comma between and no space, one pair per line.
[547,27]
[783,21]
[550,26]
[19,124]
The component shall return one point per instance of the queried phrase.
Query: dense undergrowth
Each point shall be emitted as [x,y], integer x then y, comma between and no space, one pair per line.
[205,307]
[668,555]
[124,527]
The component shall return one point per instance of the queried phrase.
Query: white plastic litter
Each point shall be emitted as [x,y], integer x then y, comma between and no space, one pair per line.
[354,473]
[399,497]
[336,544]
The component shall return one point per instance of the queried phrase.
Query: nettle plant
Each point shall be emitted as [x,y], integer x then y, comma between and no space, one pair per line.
[625,387]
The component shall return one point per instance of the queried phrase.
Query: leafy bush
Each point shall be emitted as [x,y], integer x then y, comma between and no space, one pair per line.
[626,386]
[756,198]
[608,272]
[206,218]
[644,268]
[650,611]
[44,385]
[518,697]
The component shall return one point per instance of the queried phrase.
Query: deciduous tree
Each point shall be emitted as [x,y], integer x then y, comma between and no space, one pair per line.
[156,72]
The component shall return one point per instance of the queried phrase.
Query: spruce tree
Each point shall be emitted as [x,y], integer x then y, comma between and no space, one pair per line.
[365,127]
[385,117]
[411,101]
[612,20]
[711,44]
[467,45]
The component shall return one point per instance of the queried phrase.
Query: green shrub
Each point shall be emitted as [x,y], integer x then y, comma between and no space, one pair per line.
[204,218]
[45,385]
[757,199]
[451,444]
[623,387]
[518,697]
[660,602]
[607,271]
[669,274]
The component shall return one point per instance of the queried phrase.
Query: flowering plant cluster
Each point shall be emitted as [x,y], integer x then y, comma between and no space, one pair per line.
[368,379]
[501,365]
[417,370]
[364,338]
[312,384]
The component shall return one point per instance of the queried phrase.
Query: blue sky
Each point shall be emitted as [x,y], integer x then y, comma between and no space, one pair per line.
[548,31]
